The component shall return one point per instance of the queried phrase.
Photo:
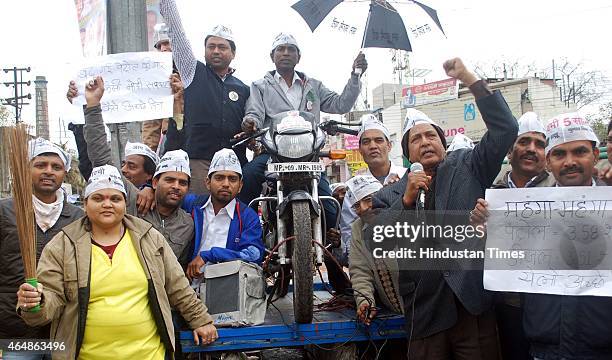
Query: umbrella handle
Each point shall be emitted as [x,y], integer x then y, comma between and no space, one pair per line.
[358,71]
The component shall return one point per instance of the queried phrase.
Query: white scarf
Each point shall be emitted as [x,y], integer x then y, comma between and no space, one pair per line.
[47,214]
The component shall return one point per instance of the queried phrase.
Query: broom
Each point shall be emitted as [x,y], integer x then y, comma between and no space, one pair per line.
[21,178]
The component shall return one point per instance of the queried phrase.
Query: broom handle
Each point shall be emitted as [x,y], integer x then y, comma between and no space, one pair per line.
[33,282]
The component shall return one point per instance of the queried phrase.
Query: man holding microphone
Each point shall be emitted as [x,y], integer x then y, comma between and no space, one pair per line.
[448,313]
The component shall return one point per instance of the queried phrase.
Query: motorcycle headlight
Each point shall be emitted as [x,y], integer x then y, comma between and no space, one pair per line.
[294,146]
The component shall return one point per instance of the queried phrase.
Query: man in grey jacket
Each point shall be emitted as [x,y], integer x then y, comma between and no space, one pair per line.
[285,89]
[171,182]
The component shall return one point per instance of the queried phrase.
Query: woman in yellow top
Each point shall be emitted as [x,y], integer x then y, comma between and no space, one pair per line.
[107,283]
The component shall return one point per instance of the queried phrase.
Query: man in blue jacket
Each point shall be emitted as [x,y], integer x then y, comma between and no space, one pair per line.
[225,228]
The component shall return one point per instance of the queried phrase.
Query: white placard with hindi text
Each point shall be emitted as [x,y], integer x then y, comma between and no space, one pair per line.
[137,85]
[564,234]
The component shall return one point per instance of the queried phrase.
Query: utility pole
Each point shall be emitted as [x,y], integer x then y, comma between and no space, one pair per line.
[127,32]
[17,100]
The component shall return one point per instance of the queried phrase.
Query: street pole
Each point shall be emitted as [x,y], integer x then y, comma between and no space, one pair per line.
[127,32]
[17,100]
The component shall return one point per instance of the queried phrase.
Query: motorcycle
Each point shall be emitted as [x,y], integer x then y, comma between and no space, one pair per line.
[292,210]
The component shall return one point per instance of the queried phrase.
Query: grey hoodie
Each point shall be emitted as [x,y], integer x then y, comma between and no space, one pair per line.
[268,99]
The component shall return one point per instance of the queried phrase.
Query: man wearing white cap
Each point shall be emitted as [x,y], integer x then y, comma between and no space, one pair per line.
[452,313]
[371,278]
[572,150]
[569,327]
[49,165]
[528,163]
[162,38]
[527,156]
[138,164]
[225,228]
[214,99]
[285,89]
[170,178]
[374,146]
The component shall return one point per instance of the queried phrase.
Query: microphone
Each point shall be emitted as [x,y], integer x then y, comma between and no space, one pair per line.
[420,200]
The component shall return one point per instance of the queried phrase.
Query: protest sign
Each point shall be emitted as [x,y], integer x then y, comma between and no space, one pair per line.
[137,85]
[563,233]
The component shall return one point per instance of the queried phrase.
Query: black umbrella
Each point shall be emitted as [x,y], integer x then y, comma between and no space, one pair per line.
[384,27]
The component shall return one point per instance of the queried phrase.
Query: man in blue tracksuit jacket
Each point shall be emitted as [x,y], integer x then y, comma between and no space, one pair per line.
[225,228]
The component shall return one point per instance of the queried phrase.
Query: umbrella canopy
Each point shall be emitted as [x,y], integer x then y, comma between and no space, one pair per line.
[384,27]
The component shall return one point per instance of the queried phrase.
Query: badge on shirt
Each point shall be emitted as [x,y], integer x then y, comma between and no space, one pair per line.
[233,96]
[309,105]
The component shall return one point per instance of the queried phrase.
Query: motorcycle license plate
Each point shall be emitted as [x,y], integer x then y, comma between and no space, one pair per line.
[295,167]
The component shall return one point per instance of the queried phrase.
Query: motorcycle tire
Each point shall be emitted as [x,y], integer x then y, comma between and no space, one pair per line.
[302,263]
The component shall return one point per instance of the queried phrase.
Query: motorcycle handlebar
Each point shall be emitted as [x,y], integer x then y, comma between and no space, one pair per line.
[241,140]
[347,131]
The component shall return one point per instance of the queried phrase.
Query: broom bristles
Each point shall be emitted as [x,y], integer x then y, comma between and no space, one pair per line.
[21,178]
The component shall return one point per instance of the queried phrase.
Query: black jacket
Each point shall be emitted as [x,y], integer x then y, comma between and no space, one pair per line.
[460,180]
[11,265]
[568,327]
[214,109]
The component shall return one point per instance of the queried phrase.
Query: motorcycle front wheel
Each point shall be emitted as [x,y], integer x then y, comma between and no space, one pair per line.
[302,262]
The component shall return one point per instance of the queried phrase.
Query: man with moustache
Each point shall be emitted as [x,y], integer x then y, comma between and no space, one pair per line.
[527,156]
[563,327]
[49,165]
[528,163]
[569,327]
[374,146]
[448,313]
[226,229]
[170,180]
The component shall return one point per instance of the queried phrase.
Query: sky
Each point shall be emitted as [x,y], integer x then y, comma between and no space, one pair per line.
[44,35]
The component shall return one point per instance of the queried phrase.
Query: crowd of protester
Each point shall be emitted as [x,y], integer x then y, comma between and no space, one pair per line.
[116,277]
